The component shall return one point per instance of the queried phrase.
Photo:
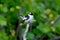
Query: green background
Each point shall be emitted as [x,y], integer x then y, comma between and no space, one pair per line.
[44,12]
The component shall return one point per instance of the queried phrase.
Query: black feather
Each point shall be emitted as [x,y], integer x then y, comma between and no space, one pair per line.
[27,16]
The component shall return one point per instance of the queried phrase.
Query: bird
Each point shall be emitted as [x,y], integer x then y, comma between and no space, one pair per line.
[28,18]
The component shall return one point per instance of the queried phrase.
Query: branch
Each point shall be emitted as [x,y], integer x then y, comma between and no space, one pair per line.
[54,21]
[19,32]
[55,38]
[25,33]
[19,27]
[51,24]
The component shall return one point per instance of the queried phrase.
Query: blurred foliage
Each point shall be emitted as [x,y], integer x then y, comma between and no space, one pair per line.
[44,12]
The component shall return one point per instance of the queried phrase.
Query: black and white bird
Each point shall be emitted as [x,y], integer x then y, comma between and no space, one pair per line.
[28,18]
